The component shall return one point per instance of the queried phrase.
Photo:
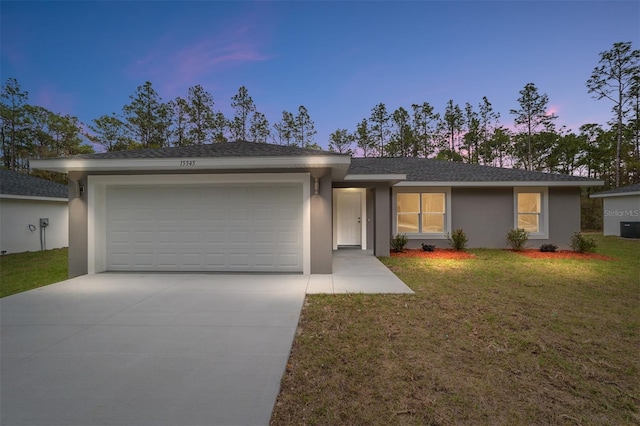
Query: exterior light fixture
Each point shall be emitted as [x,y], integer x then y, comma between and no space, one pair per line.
[79,189]
[316,187]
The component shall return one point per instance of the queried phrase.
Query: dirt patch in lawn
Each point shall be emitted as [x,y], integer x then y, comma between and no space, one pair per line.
[562,254]
[436,254]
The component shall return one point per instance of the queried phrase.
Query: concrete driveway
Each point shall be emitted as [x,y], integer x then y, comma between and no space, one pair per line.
[148,349]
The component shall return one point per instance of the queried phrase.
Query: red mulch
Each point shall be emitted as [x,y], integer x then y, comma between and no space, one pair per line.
[532,253]
[562,254]
[436,254]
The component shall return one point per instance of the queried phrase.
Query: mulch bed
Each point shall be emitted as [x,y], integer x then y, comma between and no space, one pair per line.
[561,254]
[436,254]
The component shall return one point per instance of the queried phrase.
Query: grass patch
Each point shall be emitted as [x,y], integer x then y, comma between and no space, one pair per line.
[25,271]
[496,339]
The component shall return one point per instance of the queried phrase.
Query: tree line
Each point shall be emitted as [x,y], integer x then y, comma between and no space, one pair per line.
[474,133]
[471,133]
[29,131]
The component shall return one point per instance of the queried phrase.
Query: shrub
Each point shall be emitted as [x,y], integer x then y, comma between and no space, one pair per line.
[398,242]
[517,239]
[428,247]
[548,248]
[581,244]
[458,239]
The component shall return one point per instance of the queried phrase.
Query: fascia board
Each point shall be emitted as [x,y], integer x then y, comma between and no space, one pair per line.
[376,177]
[501,183]
[66,165]
[616,194]
[33,198]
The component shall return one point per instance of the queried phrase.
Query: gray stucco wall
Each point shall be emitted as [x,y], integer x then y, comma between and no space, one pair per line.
[564,217]
[321,227]
[620,209]
[487,214]
[382,214]
[370,218]
[78,232]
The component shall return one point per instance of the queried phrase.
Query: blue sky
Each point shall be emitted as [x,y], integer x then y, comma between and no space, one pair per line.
[338,59]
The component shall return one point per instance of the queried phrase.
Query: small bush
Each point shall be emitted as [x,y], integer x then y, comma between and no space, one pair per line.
[517,239]
[398,242]
[548,248]
[458,239]
[428,247]
[581,244]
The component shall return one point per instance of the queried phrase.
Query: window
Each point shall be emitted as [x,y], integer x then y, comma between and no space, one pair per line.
[433,213]
[531,211]
[421,213]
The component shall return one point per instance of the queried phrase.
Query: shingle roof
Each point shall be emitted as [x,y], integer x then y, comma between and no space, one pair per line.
[232,149]
[623,190]
[430,170]
[14,183]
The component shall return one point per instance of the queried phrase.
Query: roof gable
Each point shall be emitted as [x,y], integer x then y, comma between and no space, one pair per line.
[23,185]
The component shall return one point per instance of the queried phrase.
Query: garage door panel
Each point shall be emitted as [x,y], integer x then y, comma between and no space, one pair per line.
[214,260]
[167,259]
[288,260]
[264,259]
[287,214]
[264,237]
[238,237]
[288,237]
[167,237]
[253,227]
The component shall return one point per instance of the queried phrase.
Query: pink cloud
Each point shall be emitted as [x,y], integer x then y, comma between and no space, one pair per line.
[552,109]
[172,64]
[212,55]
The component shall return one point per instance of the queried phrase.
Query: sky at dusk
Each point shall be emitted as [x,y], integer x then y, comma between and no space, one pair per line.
[338,59]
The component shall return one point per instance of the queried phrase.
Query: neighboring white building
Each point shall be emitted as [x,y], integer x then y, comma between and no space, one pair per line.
[24,201]
[621,211]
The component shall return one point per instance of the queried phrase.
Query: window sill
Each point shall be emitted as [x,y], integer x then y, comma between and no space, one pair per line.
[438,236]
[538,236]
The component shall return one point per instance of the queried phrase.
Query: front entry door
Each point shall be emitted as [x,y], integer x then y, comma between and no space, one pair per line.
[349,218]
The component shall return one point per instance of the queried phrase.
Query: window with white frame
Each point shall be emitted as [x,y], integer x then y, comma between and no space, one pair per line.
[531,211]
[421,213]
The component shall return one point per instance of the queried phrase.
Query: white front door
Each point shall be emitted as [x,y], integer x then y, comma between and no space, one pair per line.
[349,218]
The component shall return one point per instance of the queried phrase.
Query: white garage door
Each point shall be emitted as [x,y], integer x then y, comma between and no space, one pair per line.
[249,227]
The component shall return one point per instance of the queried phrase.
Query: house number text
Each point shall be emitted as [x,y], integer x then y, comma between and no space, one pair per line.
[187,163]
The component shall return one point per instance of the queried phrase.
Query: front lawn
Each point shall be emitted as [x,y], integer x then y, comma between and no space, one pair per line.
[497,339]
[25,271]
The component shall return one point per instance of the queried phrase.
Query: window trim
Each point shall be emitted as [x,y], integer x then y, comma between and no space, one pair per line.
[543,232]
[430,190]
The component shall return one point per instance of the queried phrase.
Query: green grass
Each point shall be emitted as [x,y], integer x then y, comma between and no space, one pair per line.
[25,271]
[497,339]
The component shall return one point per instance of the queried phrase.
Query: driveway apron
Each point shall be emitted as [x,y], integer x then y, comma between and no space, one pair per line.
[148,349]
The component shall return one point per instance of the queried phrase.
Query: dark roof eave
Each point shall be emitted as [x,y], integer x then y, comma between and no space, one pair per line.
[504,183]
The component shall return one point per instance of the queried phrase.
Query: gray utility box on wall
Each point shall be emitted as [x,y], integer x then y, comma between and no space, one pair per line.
[630,229]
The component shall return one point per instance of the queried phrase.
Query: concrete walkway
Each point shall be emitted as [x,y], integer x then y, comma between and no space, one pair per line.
[357,271]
